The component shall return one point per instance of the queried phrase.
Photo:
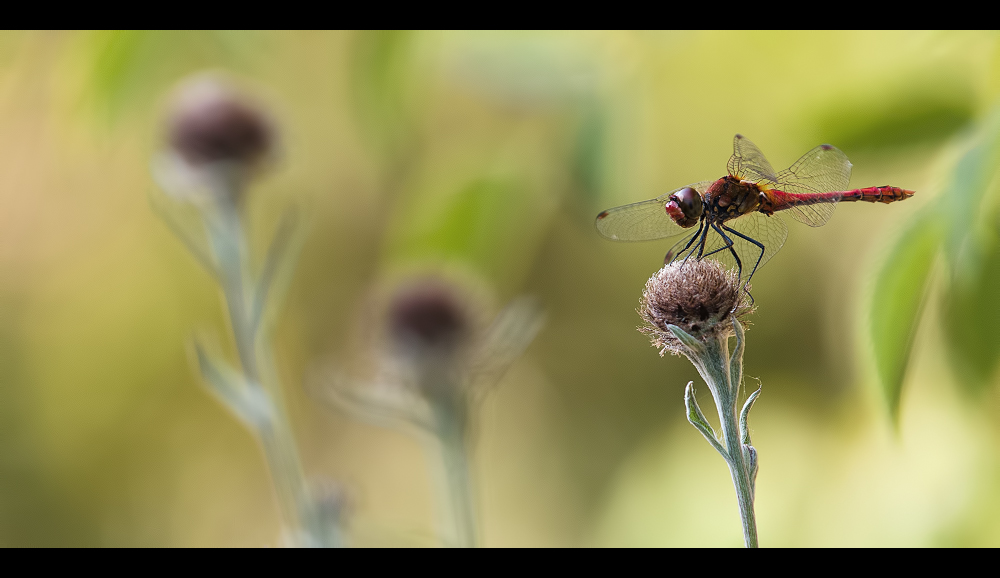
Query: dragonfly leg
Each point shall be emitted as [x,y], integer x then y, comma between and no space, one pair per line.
[714,251]
[671,258]
[729,246]
[739,264]
[697,244]
[701,243]
[761,256]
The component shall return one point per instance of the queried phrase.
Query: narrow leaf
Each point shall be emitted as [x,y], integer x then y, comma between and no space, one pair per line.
[383,81]
[192,237]
[386,404]
[750,457]
[278,261]
[971,314]
[897,301]
[250,404]
[689,341]
[745,414]
[736,359]
[969,310]
[698,420]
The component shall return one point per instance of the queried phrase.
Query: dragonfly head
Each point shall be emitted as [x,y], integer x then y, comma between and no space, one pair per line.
[685,207]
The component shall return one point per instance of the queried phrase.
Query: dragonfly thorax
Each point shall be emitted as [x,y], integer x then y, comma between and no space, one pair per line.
[731,197]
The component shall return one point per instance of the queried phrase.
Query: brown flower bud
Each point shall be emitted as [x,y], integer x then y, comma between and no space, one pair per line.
[428,318]
[212,122]
[700,297]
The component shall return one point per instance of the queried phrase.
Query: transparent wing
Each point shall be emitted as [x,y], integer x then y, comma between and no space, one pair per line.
[825,169]
[687,246]
[505,340]
[768,231]
[643,221]
[748,163]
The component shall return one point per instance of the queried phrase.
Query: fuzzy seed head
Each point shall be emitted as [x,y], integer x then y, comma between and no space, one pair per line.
[700,297]
[211,122]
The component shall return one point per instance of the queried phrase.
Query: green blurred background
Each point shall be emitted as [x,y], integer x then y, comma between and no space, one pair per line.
[489,154]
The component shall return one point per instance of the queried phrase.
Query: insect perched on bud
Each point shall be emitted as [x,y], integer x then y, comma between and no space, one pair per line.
[692,309]
[736,214]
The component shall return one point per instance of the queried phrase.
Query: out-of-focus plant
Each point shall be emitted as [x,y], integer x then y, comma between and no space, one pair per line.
[692,309]
[126,67]
[961,231]
[434,364]
[218,142]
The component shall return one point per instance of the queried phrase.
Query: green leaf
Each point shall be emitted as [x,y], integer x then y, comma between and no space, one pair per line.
[897,302]
[116,58]
[969,306]
[697,419]
[128,69]
[186,224]
[493,224]
[250,403]
[589,151]
[745,415]
[277,269]
[964,224]
[918,113]
[382,86]
[972,313]
[736,359]
[688,340]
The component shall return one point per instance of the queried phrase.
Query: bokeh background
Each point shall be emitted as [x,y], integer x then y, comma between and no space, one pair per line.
[487,154]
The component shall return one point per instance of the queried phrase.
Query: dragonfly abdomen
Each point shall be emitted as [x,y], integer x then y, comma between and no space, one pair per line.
[780,200]
[876,195]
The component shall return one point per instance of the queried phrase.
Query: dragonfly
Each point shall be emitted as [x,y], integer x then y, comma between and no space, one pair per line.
[732,219]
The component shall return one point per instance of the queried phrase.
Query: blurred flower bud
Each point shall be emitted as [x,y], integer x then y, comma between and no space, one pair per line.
[212,122]
[218,138]
[435,356]
[700,297]
[428,318]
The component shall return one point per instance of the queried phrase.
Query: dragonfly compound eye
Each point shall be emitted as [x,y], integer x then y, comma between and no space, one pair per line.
[685,207]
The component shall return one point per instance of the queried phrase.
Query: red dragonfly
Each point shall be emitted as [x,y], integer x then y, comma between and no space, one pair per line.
[735,214]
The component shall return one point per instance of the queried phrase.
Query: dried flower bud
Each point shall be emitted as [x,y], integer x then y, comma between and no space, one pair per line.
[211,122]
[428,318]
[698,296]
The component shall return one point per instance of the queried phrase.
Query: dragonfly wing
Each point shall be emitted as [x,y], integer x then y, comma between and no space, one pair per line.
[748,162]
[768,231]
[643,221]
[813,215]
[683,248]
[825,169]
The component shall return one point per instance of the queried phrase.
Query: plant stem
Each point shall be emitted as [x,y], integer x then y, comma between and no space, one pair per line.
[714,366]
[451,435]
[277,441]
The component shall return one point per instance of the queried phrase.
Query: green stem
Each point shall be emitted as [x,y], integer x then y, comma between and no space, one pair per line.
[713,363]
[451,434]
[275,434]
